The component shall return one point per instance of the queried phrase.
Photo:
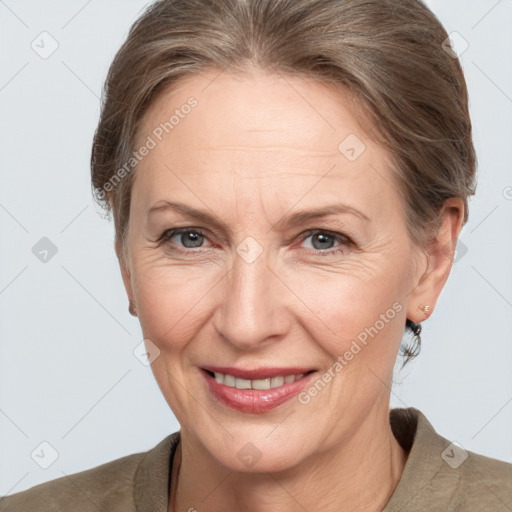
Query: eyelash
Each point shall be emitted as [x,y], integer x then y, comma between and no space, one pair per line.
[344,241]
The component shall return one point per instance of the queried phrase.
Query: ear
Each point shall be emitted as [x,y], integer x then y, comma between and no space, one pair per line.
[439,257]
[125,269]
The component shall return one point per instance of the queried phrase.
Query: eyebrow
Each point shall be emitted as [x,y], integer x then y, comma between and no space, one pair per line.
[286,221]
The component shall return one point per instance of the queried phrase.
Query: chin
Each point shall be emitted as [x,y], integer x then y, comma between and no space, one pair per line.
[253,451]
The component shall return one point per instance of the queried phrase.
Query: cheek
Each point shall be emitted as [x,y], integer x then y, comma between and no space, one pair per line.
[346,311]
[171,301]
[336,304]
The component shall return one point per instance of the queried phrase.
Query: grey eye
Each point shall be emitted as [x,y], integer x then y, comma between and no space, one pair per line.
[190,238]
[184,237]
[323,241]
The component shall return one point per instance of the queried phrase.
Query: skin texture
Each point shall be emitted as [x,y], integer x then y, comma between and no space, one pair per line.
[257,148]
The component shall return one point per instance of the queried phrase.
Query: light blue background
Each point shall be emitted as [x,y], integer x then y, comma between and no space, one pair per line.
[67,372]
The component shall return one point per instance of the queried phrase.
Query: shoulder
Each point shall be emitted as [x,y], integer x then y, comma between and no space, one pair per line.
[483,480]
[86,490]
[109,487]
[442,475]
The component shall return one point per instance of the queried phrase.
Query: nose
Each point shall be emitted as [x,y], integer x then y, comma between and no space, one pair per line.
[251,310]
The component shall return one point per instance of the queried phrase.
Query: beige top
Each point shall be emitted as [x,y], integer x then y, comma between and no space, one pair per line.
[438,477]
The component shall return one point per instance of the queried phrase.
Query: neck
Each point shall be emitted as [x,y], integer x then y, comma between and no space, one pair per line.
[359,475]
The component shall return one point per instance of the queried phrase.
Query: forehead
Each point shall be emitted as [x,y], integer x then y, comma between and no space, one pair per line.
[259,126]
[253,109]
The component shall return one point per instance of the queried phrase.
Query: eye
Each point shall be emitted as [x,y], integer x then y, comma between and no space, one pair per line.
[188,238]
[322,241]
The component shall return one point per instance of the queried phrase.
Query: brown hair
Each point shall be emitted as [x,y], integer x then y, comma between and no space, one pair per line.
[393,57]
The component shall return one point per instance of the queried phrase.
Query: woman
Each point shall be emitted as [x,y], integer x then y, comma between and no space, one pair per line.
[288,181]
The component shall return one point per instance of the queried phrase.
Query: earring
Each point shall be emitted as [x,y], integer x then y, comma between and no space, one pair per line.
[411,350]
[132,309]
[425,309]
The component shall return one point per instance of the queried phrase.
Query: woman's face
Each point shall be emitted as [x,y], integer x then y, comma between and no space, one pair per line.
[254,280]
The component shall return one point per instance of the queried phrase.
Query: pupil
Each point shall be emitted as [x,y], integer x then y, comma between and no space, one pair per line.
[191,237]
[324,239]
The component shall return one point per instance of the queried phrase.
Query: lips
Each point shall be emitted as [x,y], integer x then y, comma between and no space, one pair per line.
[257,390]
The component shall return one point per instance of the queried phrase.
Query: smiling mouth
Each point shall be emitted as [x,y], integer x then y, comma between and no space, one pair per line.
[255,390]
[257,384]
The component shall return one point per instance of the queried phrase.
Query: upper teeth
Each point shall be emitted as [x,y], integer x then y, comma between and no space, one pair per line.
[274,382]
